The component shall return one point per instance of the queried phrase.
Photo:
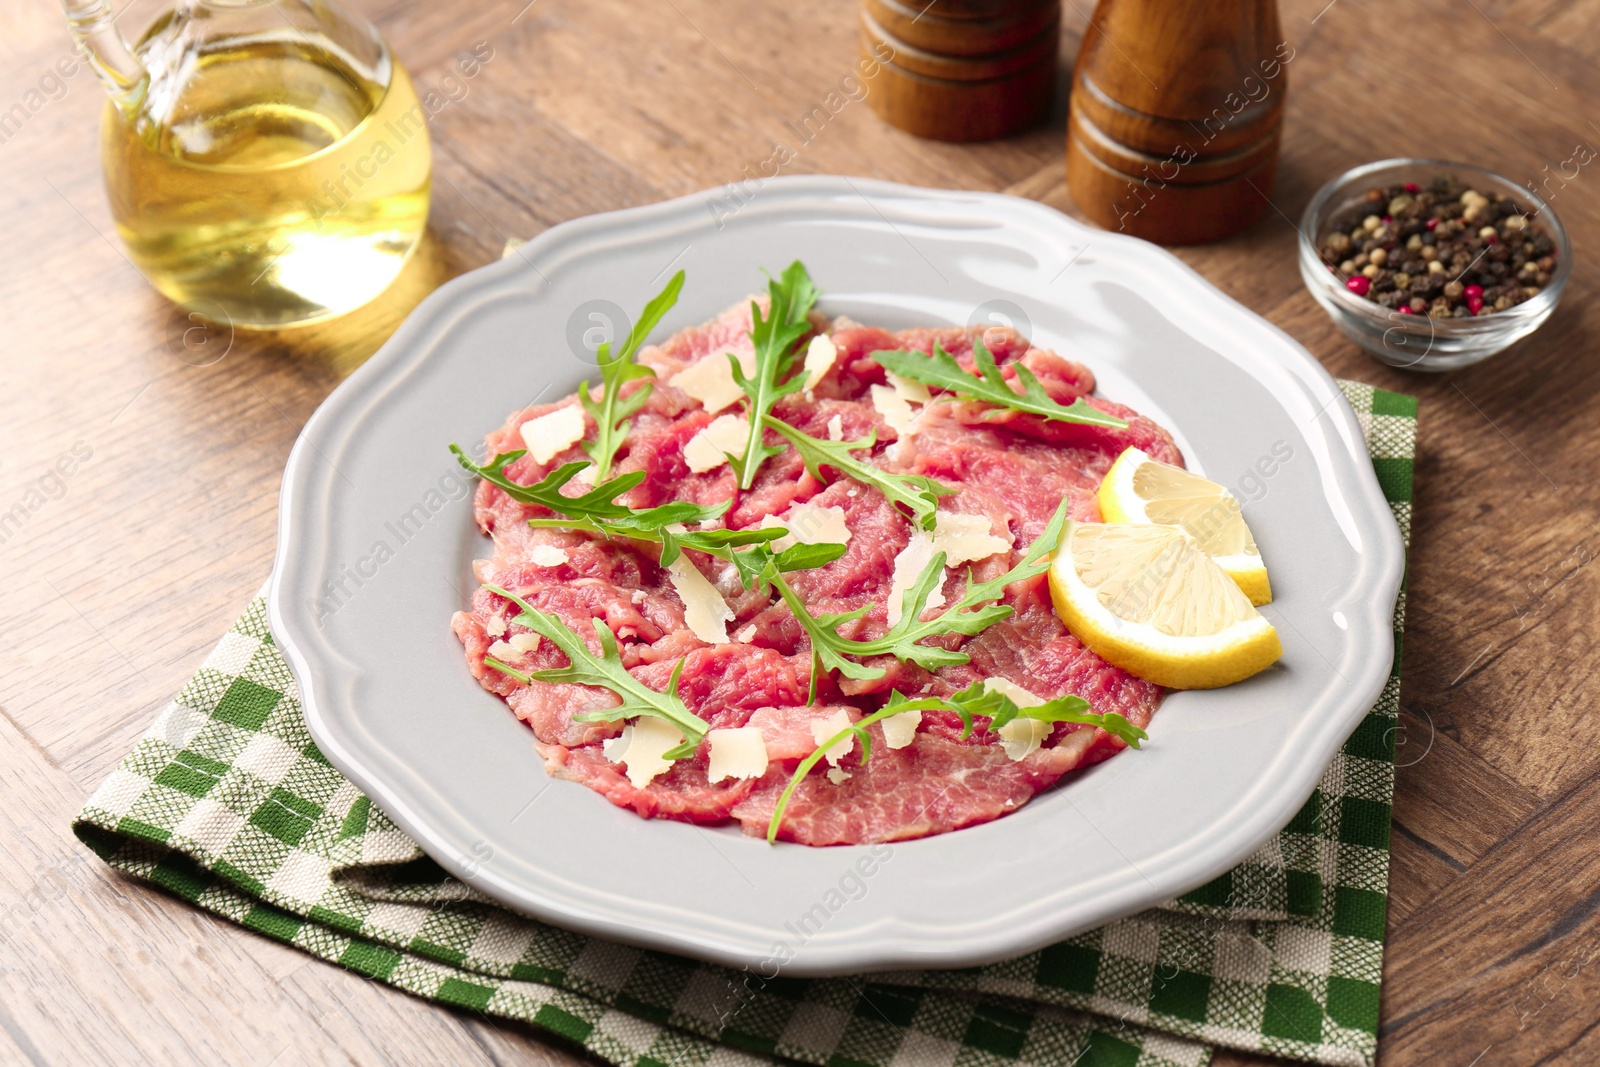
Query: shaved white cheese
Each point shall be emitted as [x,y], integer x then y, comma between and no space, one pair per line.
[495,627]
[747,634]
[552,433]
[710,379]
[586,476]
[809,524]
[1021,697]
[641,747]
[528,642]
[900,730]
[1019,737]
[908,565]
[704,611]
[502,651]
[965,538]
[1022,737]
[616,748]
[707,450]
[736,753]
[894,408]
[836,428]
[822,729]
[837,776]
[547,556]
[820,354]
[638,596]
[915,392]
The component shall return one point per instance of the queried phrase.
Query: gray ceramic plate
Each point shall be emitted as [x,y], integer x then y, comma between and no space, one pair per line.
[376,542]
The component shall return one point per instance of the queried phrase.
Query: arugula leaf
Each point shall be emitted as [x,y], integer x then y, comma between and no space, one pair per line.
[612,411]
[975,700]
[607,672]
[791,298]
[598,502]
[942,370]
[972,614]
[917,493]
[597,511]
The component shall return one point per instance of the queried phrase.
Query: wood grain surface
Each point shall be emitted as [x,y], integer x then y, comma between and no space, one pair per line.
[116,581]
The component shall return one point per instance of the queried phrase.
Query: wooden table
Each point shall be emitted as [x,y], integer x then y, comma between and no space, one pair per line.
[114,590]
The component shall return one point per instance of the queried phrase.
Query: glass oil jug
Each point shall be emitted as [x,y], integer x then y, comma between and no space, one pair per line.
[267,161]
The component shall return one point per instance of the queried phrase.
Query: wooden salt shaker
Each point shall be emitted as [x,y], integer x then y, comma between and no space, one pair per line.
[1176,111]
[966,70]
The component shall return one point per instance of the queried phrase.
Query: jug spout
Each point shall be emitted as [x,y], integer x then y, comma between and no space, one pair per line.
[95,30]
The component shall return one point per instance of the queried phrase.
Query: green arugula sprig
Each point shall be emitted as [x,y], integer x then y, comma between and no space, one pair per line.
[971,703]
[942,371]
[597,505]
[775,337]
[974,613]
[606,672]
[917,493]
[613,410]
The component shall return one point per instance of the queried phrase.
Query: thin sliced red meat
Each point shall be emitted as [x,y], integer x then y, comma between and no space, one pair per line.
[1009,467]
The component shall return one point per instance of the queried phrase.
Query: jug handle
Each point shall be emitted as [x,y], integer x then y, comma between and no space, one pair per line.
[94,29]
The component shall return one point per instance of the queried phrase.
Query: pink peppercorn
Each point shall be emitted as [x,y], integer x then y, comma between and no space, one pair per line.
[1404,310]
[1473,292]
[1432,223]
[1358,284]
[1413,187]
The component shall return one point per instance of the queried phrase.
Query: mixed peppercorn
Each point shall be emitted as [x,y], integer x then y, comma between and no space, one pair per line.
[1445,251]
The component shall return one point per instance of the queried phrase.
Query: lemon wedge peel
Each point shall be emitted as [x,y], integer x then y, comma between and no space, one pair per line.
[1139,489]
[1148,599]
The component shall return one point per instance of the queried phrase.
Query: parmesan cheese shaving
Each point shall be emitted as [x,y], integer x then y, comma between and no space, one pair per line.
[707,450]
[900,730]
[1019,696]
[809,524]
[616,748]
[547,556]
[836,428]
[965,538]
[736,753]
[1019,737]
[820,354]
[895,409]
[915,392]
[502,651]
[528,642]
[747,634]
[837,776]
[641,748]
[1022,737]
[586,476]
[908,565]
[704,611]
[495,627]
[822,729]
[552,433]
[710,379]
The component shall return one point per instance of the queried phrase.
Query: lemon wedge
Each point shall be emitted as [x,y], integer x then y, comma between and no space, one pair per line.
[1148,599]
[1140,489]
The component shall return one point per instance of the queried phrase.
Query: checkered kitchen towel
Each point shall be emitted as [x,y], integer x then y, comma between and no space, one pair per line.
[227,803]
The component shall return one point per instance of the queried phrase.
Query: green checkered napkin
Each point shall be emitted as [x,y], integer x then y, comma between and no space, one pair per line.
[227,803]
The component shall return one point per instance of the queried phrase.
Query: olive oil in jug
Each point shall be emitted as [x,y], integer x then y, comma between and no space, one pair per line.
[273,166]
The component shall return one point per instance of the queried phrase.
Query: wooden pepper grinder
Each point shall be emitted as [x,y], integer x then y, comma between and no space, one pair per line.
[968,70]
[1176,114]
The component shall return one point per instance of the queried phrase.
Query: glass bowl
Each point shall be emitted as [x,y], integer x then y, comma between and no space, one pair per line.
[1418,342]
